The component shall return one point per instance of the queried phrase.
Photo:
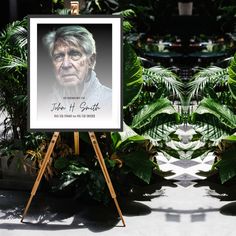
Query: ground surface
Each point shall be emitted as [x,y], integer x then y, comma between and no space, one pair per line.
[179,208]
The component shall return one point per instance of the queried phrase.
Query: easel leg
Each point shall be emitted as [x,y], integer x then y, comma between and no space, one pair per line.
[41,171]
[105,172]
[76,142]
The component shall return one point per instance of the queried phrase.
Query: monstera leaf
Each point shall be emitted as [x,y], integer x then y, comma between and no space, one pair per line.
[224,115]
[128,136]
[149,112]
[132,76]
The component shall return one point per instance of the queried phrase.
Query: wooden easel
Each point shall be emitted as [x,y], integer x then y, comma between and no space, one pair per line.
[74,11]
[101,163]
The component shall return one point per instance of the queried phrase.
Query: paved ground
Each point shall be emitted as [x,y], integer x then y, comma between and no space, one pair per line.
[176,208]
[183,206]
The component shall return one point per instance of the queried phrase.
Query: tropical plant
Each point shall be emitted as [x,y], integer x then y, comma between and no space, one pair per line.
[153,113]
[225,159]
[129,158]
[214,118]
[13,78]
[213,106]
[224,164]
[148,94]
[211,81]
[133,80]
[36,146]
[232,76]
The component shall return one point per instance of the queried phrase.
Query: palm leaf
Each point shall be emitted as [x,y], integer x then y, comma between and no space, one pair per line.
[209,77]
[128,13]
[158,76]
[15,34]
[12,46]
[9,63]
[19,36]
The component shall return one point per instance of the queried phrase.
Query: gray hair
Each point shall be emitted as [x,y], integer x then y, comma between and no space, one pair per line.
[73,35]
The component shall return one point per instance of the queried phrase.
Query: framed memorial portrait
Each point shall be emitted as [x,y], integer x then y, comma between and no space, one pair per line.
[75,73]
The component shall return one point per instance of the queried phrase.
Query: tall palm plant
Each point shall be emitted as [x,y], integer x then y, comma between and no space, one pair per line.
[210,81]
[13,77]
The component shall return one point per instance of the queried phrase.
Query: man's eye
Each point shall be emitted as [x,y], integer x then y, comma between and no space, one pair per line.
[75,56]
[58,58]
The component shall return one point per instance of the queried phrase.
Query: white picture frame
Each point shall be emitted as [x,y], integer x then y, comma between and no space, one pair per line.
[75,112]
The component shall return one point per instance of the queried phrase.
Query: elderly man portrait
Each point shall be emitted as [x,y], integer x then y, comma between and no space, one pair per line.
[76,88]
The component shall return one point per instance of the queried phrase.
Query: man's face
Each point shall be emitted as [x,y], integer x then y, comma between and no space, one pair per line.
[71,64]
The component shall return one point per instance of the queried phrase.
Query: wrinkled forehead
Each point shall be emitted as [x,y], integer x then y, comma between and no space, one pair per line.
[67,43]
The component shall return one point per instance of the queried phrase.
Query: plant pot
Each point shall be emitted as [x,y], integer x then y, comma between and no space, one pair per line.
[185,8]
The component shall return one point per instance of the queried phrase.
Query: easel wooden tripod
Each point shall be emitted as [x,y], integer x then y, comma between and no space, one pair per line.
[100,160]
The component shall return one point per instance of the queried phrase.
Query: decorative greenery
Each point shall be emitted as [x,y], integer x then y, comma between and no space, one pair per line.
[210,81]
[132,75]
[232,76]
[155,103]
[152,114]
[13,78]
[215,115]
[130,157]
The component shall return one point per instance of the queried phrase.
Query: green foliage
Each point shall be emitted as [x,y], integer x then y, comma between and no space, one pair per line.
[139,164]
[232,76]
[214,118]
[72,170]
[13,77]
[227,164]
[131,155]
[132,149]
[207,82]
[231,138]
[132,76]
[33,140]
[152,114]
[149,112]
[224,115]
[120,140]
[99,7]
[127,16]
[163,82]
